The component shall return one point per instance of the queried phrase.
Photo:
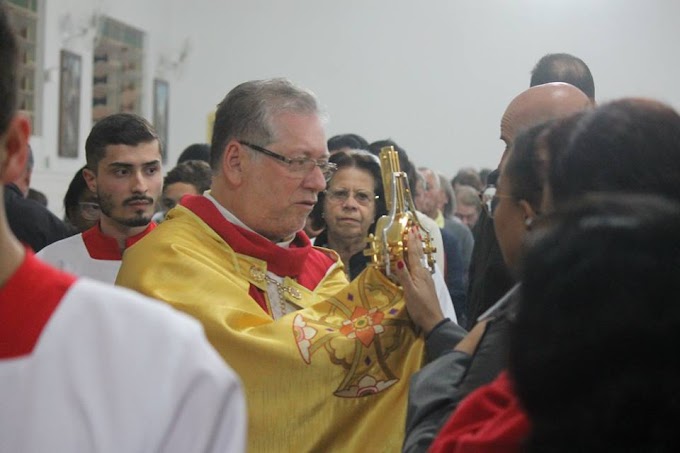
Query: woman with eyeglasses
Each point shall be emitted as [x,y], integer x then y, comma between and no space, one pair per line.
[348,208]
[80,205]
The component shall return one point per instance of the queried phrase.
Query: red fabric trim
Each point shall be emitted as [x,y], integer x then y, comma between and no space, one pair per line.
[489,420]
[301,261]
[258,296]
[27,301]
[102,247]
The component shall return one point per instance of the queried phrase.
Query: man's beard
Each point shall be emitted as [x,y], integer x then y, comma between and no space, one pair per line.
[107,205]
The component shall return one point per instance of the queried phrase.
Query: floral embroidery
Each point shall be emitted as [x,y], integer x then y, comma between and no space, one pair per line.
[303,335]
[364,325]
[359,328]
[367,386]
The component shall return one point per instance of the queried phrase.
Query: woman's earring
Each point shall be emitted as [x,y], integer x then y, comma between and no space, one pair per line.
[528,221]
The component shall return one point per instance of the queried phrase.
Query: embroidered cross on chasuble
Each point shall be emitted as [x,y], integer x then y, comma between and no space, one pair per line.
[330,376]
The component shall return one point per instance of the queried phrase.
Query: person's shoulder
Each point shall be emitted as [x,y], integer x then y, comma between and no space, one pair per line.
[457,228]
[58,248]
[115,302]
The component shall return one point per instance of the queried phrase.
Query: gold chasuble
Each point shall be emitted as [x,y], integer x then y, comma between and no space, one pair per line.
[331,376]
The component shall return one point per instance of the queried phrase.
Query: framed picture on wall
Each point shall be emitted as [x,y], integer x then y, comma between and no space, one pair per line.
[69,103]
[161,98]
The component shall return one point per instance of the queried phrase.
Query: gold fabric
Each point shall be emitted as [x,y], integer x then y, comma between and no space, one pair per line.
[332,376]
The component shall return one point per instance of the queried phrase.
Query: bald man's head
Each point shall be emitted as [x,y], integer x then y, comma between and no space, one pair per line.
[540,104]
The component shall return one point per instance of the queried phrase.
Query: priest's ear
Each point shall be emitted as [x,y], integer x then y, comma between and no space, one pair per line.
[235,160]
[14,148]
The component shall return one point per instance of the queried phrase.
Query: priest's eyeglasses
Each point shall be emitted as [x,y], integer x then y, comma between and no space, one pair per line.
[298,165]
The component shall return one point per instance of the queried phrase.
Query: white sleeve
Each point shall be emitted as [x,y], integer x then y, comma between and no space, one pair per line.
[443,295]
[210,411]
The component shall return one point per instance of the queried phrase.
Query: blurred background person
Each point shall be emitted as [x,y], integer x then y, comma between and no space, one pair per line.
[346,142]
[191,177]
[467,177]
[468,205]
[197,151]
[31,222]
[349,208]
[81,207]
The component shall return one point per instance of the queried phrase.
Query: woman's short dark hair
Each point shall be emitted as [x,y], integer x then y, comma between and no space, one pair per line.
[594,346]
[362,160]
[526,168]
[631,145]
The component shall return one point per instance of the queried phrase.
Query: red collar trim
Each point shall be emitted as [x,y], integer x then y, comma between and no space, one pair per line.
[102,247]
[281,261]
[27,301]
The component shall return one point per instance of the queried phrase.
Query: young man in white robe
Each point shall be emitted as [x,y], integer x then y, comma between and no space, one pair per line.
[86,367]
[124,170]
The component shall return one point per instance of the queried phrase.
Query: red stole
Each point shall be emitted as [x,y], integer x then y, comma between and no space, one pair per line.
[301,261]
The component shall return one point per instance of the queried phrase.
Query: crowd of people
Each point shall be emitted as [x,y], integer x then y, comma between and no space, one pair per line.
[232,305]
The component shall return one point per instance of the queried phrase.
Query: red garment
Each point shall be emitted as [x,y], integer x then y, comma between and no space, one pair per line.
[27,301]
[307,264]
[102,247]
[489,420]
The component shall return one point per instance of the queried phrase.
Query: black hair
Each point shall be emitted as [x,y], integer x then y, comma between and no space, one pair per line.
[117,129]
[594,346]
[404,163]
[350,141]
[525,168]
[562,67]
[197,151]
[630,145]
[194,172]
[76,187]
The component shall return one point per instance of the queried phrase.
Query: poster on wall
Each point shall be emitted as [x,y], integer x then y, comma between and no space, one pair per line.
[161,98]
[69,104]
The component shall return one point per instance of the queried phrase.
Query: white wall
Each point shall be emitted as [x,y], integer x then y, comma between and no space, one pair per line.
[435,75]
[52,174]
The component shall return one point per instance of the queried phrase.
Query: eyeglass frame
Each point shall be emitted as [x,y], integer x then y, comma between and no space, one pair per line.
[89,204]
[333,196]
[490,202]
[327,168]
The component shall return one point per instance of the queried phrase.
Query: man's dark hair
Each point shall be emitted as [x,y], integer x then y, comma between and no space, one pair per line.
[594,347]
[197,151]
[8,70]
[630,145]
[468,177]
[350,141]
[562,67]
[117,129]
[194,172]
